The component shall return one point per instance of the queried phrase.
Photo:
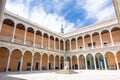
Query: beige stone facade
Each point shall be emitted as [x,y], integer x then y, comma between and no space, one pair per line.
[25,45]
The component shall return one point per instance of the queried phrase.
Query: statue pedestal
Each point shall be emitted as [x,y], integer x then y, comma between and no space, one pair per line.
[66,69]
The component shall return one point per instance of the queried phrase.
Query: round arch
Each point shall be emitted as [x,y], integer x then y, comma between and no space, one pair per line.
[90,62]
[44,61]
[82,62]
[99,59]
[51,62]
[110,61]
[74,62]
[4,53]
[15,61]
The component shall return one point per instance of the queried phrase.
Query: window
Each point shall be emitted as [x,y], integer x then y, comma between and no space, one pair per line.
[89,44]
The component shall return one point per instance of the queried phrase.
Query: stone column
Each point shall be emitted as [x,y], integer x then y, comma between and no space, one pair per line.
[105,65]
[21,62]
[86,63]
[111,38]
[13,36]
[64,46]
[54,62]
[41,62]
[94,62]
[78,62]
[117,66]
[83,43]
[59,62]
[32,63]
[34,38]
[25,35]
[101,40]
[8,63]
[48,64]
[76,44]
[71,63]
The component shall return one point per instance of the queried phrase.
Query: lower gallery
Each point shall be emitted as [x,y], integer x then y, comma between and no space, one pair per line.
[26,46]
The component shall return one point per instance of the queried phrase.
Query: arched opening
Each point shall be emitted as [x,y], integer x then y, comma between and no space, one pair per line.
[90,62]
[105,38]
[29,36]
[73,44]
[57,44]
[27,58]
[74,62]
[62,62]
[110,61]
[96,40]
[68,58]
[51,42]
[19,33]
[44,61]
[80,43]
[116,35]
[38,38]
[36,61]
[88,43]
[57,62]
[7,30]
[45,41]
[4,53]
[81,62]
[99,61]
[67,45]
[118,58]
[15,60]
[51,62]
[61,45]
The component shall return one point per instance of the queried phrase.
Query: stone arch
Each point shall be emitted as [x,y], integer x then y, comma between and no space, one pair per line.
[96,39]
[36,61]
[116,35]
[56,62]
[38,38]
[57,43]
[15,60]
[99,59]
[80,42]
[27,61]
[82,62]
[105,37]
[61,62]
[52,42]
[74,62]
[87,39]
[61,45]
[110,61]
[7,30]
[51,62]
[19,33]
[67,45]
[73,44]
[90,61]
[44,61]
[29,36]
[4,53]
[45,40]
[118,58]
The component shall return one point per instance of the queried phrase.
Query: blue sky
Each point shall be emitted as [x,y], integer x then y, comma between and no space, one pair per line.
[73,14]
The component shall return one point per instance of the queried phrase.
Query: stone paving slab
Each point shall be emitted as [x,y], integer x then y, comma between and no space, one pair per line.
[52,75]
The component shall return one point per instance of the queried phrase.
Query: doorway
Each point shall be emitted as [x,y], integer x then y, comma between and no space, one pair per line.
[18,67]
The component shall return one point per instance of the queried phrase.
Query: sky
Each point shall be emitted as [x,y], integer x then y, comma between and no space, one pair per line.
[72,14]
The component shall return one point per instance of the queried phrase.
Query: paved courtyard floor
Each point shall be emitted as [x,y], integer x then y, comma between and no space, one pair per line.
[51,75]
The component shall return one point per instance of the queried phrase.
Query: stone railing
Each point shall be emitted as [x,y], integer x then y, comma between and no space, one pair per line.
[5,38]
